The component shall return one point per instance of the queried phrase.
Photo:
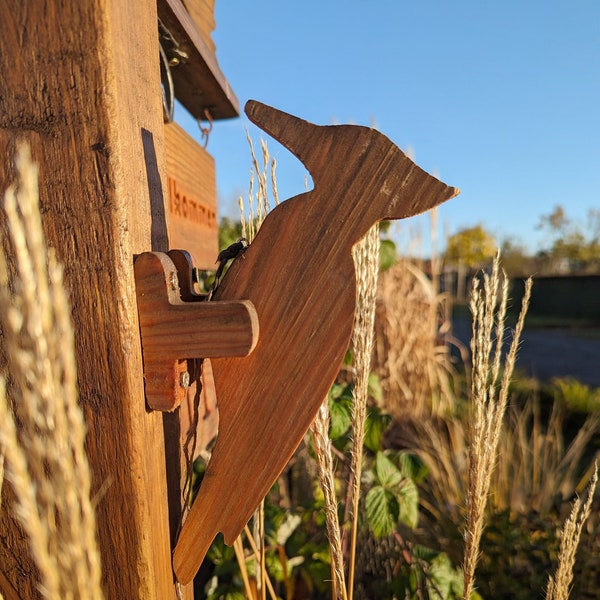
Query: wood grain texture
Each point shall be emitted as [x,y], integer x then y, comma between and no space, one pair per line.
[203,415]
[203,15]
[172,329]
[299,274]
[192,220]
[80,83]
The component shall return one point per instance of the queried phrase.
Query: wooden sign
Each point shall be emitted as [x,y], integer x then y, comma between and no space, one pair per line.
[299,275]
[192,220]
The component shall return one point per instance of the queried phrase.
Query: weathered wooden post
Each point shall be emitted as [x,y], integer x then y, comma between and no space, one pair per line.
[81,84]
[79,88]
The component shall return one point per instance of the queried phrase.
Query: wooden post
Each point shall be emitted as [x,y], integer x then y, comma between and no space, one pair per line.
[80,83]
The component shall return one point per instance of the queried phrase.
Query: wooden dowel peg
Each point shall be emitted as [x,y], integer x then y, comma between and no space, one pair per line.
[173,330]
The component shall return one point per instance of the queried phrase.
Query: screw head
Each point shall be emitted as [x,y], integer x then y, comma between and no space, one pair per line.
[184,380]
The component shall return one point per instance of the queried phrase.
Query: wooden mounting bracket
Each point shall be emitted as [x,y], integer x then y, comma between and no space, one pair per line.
[177,324]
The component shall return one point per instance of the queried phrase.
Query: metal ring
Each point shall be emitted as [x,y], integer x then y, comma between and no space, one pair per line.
[206,130]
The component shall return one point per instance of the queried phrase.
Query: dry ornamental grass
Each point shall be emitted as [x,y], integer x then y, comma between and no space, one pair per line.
[411,354]
[42,431]
[412,358]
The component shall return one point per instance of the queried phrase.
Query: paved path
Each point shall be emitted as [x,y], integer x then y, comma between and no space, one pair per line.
[547,353]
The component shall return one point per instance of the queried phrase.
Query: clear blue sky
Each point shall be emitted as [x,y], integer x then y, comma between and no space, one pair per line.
[500,99]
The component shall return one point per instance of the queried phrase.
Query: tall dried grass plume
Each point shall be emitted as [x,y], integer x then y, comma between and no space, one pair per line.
[366,261]
[489,397]
[42,431]
[559,584]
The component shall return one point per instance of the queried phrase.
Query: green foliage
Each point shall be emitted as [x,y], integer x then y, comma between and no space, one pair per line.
[444,581]
[387,248]
[392,499]
[297,556]
[340,408]
[577,396]
[229,232]
[571,246]
[297,550]
[391,496]
[375,426]
[383,510]
[387,254]
[396,569]
[473,246]
[225,581]
[517,554]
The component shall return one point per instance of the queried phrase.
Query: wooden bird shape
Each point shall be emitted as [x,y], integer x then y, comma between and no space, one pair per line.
[299,274]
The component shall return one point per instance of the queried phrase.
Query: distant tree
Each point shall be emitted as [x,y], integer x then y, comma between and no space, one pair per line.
[571,246]
[516,261]
[473,247]
[593,220]
[556,222]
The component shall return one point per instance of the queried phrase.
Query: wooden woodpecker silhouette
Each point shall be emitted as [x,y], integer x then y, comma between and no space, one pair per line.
[299,275]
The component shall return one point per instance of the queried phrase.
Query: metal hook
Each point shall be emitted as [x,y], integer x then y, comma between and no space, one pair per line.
[206,130]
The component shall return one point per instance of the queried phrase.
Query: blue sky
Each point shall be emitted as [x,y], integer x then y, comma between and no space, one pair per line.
[500,99]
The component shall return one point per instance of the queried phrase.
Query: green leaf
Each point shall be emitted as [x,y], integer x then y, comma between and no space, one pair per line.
[340,410]
[413,581]
[402,488]
[376,424]
[387,254]
[382,509]
[317,574]
[388,474]
[219,553]
[348,357]
[336,390]
[424,553]
[274,566]
[408,499]
[444,580]
[410,465]
[234,596]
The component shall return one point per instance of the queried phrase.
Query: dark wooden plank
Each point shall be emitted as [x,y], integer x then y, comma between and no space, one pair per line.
[299,274]
[199,81]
